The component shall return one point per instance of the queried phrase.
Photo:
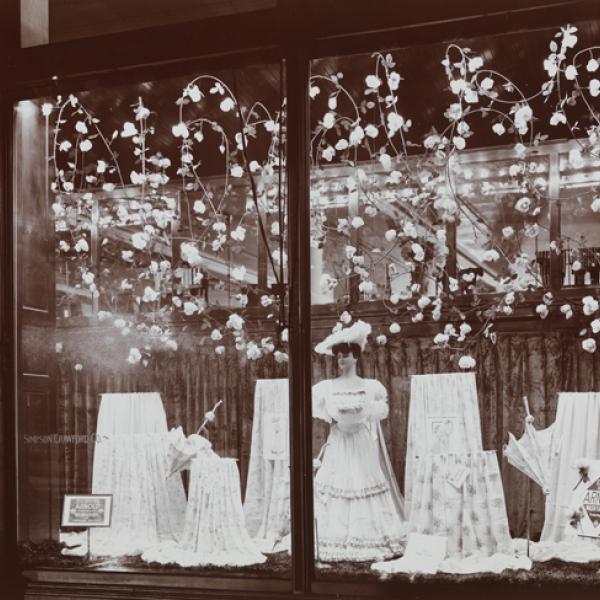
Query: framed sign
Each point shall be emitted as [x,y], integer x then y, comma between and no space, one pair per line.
[87,510]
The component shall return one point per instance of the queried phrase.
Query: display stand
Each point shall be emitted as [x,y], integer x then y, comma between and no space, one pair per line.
[576,436]
[214,532]
[443,418]
[131,463]
[461,496]
[267,498]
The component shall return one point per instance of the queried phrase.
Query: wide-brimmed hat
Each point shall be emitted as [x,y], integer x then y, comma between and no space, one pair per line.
[356,334]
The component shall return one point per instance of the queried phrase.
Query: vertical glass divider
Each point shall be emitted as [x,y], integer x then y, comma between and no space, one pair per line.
[297,78]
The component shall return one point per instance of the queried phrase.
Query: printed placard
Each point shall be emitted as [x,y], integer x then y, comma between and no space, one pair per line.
[442,434]
[424,553]
[458,476]
[586,498]
[87,510]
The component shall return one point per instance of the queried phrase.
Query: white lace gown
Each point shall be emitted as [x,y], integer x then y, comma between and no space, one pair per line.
[358,517]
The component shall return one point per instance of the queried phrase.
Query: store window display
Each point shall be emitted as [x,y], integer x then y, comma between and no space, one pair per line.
[151,225]
[443,197]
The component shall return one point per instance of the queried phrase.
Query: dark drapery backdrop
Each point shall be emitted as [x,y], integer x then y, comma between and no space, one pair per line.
[539,365]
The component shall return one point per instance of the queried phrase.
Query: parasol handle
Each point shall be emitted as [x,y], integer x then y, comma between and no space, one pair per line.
[207,419]
[526,403]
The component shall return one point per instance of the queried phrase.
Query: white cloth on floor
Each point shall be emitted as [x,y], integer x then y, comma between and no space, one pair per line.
[214,531]
[577,435]
[132,465]
[574,550]
[443,417]
[267,497]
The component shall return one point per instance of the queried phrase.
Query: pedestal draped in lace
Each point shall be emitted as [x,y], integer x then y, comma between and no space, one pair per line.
[214,531]
[443,417]
[356,514]
[130,462]
[472,514]
[576,435]
[267,498]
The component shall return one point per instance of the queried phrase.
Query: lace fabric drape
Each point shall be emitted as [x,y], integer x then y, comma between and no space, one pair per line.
[130,462]
[443,417]
[267,497]
[577,436]
[471,514]
[214,532]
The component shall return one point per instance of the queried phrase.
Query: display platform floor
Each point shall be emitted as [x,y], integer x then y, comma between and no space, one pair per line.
[278,566]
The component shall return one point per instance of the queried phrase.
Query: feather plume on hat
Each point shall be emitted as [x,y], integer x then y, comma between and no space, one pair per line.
[356,334]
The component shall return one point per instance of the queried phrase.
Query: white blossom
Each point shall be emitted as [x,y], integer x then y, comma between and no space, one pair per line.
[589,345]
[418,252]
[566,310]
[357,222]
[189,308]
[508,232]
[491,255]
[590,305]
[372,81]
[235,322]
[226,104]
[239,273]
[423,302]
[466,362]
[134,356]
[253,352]
[441,339]
[190,254]
[345,317]
[523,204]
[139,240]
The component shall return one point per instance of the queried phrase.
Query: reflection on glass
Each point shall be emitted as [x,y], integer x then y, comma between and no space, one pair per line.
[152,292]
[580,217]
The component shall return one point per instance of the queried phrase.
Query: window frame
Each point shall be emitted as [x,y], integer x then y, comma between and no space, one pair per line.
[296,32]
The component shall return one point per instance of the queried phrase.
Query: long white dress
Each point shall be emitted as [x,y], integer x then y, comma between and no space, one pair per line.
[358,508]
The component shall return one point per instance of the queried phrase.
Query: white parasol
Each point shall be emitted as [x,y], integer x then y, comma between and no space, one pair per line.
[531,454]
[182,450]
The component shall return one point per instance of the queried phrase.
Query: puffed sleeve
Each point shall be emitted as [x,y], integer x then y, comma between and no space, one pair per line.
[319,395]
[379,401]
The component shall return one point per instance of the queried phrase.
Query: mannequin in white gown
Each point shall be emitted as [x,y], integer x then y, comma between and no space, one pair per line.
[358,507]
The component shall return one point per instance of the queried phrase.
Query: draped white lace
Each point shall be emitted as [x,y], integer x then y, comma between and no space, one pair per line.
[443,417]
[576,435]
[130,462]
[470,512]
[267,497]
[214,531]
